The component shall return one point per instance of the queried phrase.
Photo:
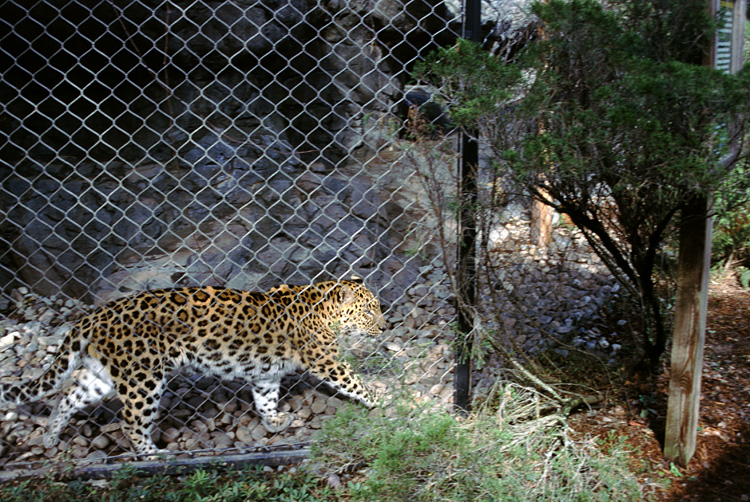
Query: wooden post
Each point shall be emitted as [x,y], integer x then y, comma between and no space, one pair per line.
[692,281]
[689,332]
[541,213]
[541,224]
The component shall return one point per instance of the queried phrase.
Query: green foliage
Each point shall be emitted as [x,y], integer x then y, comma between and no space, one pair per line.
[647,128]
[610,118]
[478,80]
[675,470]
[200,483]
[423,455]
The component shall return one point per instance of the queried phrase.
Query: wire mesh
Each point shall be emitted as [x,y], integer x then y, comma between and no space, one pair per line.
[150,145]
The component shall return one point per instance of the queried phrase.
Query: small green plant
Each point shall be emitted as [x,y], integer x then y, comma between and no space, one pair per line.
[731,235]
[200,483]
[674,470]
[17,493]
[647,401]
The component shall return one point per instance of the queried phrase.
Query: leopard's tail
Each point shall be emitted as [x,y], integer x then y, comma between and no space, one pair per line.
[71,351]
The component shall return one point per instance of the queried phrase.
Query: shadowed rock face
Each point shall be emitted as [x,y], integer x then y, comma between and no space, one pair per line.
[214,142]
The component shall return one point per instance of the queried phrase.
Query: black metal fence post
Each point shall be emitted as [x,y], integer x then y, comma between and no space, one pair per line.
[467,237]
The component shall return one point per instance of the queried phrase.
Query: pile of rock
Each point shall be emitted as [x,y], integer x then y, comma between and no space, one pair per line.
[544,294]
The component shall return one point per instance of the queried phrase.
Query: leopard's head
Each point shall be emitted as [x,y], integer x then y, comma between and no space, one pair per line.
[359,309]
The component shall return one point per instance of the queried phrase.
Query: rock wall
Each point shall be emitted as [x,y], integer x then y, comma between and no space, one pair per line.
[239,143]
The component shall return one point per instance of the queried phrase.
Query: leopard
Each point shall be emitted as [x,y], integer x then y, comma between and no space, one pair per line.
[129,346]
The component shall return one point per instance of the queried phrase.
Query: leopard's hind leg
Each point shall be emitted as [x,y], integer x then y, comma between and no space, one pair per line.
[140,408]
[266,396]
[91,384]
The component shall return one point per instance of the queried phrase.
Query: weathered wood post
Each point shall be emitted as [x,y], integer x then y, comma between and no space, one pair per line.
[689,332]
[692,281]
[541,213]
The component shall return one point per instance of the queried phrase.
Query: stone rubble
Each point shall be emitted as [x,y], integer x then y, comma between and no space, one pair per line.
[548,294]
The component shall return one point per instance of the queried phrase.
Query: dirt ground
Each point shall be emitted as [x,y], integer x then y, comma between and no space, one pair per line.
[720,468]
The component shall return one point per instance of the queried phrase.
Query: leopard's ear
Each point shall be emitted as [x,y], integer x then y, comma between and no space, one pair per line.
[356,279]
[346,295]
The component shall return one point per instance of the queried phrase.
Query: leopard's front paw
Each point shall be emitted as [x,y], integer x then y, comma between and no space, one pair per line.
[278,421]
[157,454]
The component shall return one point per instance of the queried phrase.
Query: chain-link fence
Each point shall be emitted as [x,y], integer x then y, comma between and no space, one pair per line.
[151,145]
[159,144]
